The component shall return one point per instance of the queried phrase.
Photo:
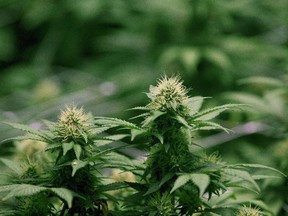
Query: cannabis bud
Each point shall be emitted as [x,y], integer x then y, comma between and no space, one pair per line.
[249,211]
[169,93]
[74,124]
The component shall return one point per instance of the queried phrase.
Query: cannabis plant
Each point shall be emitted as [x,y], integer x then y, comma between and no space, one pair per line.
[174,180]
[67,176]
[66,181]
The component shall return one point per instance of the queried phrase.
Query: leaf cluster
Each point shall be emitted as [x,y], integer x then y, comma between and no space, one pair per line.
[70,173]
[173,180]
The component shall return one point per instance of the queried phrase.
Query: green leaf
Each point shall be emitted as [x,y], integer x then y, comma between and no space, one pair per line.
[26,137]
[53,146]
[100,141]
[76,165]
[201,181]
[259,177]
[159,137]
[116,137]
[139,108]
[66,147]
[77,150]
[112,186]
[106,121]
[83,134]
[4,188]
[135,133]
[29,130]
[153,187]
[182,121]
[7,212]
[17,190]
[51,125]
[99,155]
[137,186]
[156,186]
[180,181]
[241,184]
[259,166]
[211,113]
[195,104]
[12,165]
[99,130]
[240,174]
[110,198]
[64,194]
[116,160]
[154,115]
[140,116]
[207,125]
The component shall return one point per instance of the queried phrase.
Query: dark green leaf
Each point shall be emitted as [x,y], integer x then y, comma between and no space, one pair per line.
[66,147]
[77,150]
[154,115]
[112,186]
[64,194]
[76,165]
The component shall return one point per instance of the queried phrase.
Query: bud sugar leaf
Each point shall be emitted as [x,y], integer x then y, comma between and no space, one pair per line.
[182,121]
[77,150]
[152,117]
[66,147]
[76,165]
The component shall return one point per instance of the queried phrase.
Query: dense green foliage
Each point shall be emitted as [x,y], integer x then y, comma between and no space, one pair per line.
[172,181]
[103,54]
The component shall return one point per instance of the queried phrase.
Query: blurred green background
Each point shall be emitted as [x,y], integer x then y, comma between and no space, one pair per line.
[104,54]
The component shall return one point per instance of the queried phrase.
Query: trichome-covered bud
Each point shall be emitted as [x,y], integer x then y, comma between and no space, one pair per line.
[73,124]
[249,211]
[168,93]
